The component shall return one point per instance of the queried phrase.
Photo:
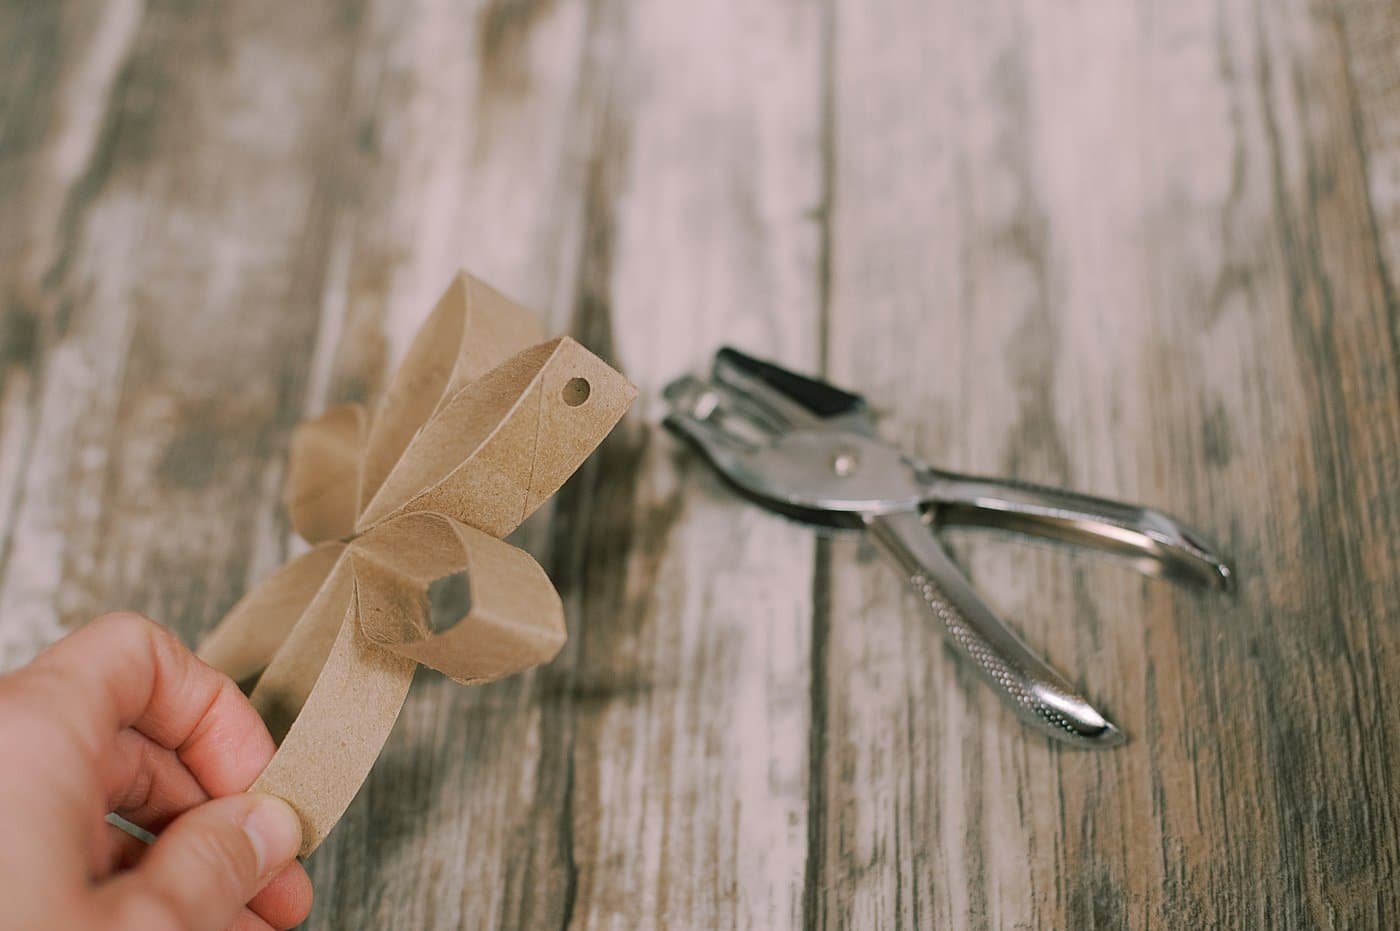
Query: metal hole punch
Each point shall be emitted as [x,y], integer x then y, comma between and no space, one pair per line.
[808,450]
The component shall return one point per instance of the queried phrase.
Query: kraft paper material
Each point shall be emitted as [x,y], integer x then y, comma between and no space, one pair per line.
[479,426]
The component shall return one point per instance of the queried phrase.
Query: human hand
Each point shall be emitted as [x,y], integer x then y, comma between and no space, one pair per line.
[120,717]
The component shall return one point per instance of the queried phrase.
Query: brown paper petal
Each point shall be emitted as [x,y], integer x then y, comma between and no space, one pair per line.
[511,437]
[323,480]
[289,678]
[473,329]
[516,619]
[245,641]
[330,747]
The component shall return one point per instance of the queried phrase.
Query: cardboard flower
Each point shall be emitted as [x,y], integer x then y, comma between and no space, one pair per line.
[479,426]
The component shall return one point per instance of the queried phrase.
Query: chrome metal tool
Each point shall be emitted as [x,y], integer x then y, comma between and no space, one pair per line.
[809,450]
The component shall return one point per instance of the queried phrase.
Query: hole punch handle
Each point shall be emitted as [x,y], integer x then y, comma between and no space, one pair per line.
[1155,543]
[1039,695]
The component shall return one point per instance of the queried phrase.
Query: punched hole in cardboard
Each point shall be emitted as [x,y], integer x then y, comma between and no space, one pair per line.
[576,391]
[449,600]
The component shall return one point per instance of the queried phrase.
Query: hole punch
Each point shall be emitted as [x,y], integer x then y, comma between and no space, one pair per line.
[808,450]
[576,391]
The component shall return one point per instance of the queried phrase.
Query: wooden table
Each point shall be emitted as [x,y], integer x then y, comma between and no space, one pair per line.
[1144,249]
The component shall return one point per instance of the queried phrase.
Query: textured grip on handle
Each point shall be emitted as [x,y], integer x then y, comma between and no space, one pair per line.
[1037,693]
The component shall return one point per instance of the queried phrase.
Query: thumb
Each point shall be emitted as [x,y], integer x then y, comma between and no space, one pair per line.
[207,864]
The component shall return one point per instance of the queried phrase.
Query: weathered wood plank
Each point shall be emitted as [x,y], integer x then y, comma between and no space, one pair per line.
[565,783]
[1126,249]
[1369,39]
[61,66]
[687,674]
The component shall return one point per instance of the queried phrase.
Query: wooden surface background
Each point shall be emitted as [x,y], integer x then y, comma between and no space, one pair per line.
[1146,249]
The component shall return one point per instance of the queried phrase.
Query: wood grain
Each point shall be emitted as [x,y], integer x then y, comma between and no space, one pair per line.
[1097,256]
[1140,249]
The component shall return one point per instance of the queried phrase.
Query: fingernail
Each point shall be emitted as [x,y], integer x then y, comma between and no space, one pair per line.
[274,830]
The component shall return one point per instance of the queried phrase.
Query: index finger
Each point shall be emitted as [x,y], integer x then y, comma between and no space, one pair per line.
[124,670]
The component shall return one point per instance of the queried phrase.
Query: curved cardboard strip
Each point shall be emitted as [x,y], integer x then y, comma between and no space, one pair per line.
[496,402]
[495,329]
[381,633]
[322,496]
[473,329]
[512,438]
[329,749]
[291,675]
[248,637]
[421,547]
[516,619]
